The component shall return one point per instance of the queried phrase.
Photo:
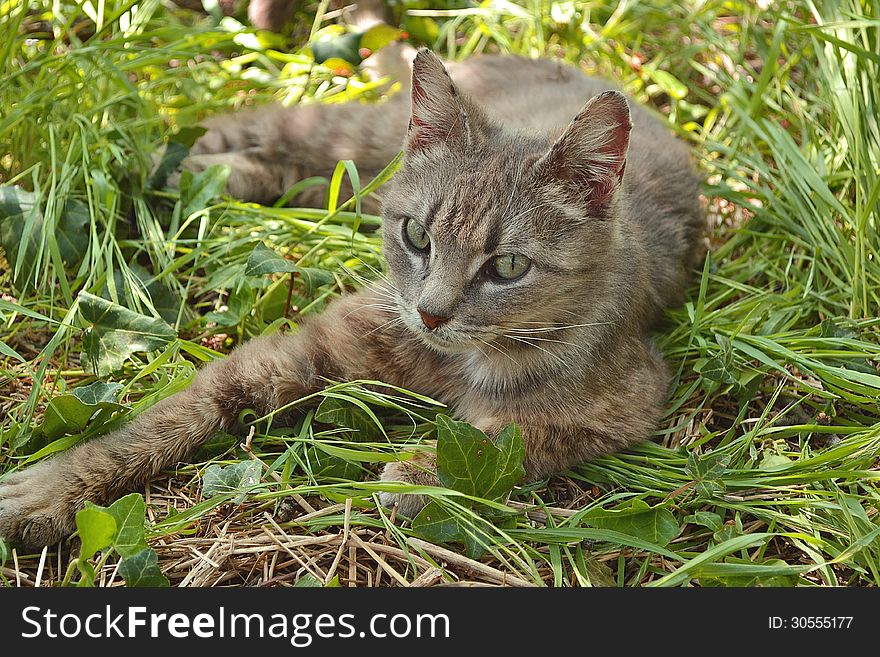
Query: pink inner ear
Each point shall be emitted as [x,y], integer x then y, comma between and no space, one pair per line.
[419,130]
[591,155]
[610,166]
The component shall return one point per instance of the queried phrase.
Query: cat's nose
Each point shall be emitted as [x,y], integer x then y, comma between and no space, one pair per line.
[432,321]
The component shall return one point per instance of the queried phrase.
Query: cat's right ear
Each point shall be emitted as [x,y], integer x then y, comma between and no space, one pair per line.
[439,114]
[589,159]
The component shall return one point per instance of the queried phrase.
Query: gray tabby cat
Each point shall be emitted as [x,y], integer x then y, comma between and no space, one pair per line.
[528,256]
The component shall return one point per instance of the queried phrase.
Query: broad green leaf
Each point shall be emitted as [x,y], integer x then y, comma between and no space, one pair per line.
[600,574]
[130,513]
[188,135]
[98,392]
[239,303]
[828,329]
[71,413]
[707,472]
[654,524]
[439,525]
[264,260]
[22,225]
[166,301]
[114,333]
[714,369]
[708,519]
[142,570]
[175,152]
[324,464]
[197,190]
[771,460]
[96,527]
[468,461]
[343,47]
[308,581]
[236,478]
[338,413]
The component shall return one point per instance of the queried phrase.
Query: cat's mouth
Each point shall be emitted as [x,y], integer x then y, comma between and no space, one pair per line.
[446,339]
[447,344]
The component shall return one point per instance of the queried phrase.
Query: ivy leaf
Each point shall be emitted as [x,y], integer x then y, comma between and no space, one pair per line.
[439,525]
[21,227]
[165,300]
[715,372]
[828,329]
[308,581]
[175,152]
[98,393]
[338,413]
[236,478]
[653,524]
[120,527]
[707,473]
[600,574]
[129,512]
[114,333]
[470,462]
[71,413]
[96,529]
[326,465]
[142,570]
[264,260]
[197,190]
[771,460]
[707,519]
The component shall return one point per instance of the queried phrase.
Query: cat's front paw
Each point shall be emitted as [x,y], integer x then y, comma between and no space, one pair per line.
[34,511]
[420,470]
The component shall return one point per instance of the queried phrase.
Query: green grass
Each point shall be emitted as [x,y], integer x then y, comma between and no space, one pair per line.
[765,469]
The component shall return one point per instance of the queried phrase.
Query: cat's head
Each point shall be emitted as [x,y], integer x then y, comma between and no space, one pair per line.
[496,236]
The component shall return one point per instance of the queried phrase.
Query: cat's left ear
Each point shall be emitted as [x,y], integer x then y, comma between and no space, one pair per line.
[589,158]
[440,115]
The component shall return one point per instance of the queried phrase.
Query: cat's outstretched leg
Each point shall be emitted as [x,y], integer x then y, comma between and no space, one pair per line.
[38,505]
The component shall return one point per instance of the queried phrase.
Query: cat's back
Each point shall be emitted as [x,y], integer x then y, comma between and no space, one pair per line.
[540,97]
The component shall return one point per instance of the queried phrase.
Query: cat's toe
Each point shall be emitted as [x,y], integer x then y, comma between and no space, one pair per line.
[419,471]
[32,514]
[407,505]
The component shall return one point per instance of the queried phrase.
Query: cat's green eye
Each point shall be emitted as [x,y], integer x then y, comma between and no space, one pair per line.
[416,235]
[509,266]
